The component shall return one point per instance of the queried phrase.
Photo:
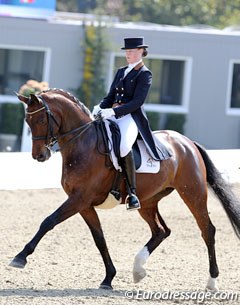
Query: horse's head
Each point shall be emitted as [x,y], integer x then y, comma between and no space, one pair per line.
[53,115]
[43,123]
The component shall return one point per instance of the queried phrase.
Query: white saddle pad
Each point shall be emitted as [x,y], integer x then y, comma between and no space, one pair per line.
[148,164]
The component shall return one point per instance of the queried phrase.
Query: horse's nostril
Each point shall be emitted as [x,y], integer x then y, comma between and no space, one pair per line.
[41,158]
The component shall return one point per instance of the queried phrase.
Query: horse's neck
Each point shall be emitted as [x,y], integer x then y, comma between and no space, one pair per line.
[74,126]
[73,120]
[82,142]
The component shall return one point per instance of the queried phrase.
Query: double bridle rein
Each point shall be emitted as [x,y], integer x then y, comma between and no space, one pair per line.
[51,138]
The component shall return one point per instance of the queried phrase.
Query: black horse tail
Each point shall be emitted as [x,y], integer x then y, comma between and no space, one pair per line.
[222,190]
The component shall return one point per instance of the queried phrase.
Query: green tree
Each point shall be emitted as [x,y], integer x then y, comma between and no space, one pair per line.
[67,6]
[85,6]
[216,13]
[92,87]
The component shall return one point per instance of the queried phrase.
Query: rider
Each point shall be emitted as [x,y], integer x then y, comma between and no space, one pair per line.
[123,104]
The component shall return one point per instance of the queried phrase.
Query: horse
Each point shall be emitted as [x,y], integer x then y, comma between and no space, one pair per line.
[56,115]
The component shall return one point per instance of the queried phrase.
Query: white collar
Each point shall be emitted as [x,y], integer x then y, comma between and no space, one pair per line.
[134,64]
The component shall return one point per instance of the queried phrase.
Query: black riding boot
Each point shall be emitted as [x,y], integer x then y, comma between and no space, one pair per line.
[131,201]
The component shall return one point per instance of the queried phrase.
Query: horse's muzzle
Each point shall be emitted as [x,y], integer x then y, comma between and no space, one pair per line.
[41,157]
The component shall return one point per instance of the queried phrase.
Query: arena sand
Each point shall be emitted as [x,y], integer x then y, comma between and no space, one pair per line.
[66,267]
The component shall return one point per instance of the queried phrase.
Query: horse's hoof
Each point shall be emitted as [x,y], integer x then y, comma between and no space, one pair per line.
[18,263]
[106,287]
[139,275]
[212,285]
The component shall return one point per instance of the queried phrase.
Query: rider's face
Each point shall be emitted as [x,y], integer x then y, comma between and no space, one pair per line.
[133,55]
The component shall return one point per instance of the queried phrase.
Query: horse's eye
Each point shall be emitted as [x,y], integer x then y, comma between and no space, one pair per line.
[42,121]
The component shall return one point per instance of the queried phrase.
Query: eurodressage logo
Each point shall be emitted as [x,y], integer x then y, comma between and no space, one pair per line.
[151,163]
[177,296]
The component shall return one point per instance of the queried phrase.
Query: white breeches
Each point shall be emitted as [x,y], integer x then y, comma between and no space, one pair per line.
[129,132]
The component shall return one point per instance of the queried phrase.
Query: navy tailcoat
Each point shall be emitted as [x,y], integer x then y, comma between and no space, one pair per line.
[128,94]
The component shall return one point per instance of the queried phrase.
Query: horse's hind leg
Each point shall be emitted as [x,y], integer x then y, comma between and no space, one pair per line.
[197,203]
[159,232]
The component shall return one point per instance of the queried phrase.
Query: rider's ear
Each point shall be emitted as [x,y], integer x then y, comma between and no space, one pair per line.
[34,99]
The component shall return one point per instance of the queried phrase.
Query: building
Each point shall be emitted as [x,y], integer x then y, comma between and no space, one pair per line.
[196,71]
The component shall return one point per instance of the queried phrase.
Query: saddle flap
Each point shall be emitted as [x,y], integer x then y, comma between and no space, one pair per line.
[143,161]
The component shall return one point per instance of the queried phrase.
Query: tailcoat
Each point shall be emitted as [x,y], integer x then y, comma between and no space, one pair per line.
[127,95]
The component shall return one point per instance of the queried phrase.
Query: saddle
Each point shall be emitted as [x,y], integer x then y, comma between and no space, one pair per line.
[144,163]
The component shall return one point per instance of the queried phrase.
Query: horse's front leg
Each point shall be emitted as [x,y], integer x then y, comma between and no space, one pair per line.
[66,210]
[91,218]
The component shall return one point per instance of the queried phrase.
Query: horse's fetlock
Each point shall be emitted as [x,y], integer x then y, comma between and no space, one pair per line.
[167,233]
[29,249]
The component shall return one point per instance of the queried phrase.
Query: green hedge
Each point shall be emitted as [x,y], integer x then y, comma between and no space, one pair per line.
[11,118]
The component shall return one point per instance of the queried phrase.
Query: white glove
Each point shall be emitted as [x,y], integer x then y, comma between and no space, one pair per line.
[106,113]
[96,109]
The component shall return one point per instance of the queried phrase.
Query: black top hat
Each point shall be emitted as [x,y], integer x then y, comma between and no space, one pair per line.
[134,43]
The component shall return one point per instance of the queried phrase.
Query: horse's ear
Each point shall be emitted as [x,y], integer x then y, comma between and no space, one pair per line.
[34,99]
[22,98]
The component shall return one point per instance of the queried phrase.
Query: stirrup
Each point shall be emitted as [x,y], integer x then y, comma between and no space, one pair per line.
[132,202]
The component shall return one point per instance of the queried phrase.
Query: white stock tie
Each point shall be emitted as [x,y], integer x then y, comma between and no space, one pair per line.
[129,68]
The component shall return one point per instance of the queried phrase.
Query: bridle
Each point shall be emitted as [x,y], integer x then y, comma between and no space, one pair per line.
[51,139]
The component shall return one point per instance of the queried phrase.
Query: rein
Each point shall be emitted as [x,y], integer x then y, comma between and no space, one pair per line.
[53,139]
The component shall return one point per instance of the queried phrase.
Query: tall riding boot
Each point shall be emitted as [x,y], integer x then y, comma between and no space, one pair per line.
[131,201]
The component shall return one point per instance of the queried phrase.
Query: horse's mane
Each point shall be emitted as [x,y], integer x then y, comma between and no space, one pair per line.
[70,96]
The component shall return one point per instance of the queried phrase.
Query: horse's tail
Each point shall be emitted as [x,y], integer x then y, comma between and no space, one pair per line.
[222,190]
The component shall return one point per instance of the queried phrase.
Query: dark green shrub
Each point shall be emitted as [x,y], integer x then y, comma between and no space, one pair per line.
[11,118]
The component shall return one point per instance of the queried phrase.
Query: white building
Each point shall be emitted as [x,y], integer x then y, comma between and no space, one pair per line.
[196,71]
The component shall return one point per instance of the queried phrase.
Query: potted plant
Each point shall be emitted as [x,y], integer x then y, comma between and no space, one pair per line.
[31,87]
[12,117]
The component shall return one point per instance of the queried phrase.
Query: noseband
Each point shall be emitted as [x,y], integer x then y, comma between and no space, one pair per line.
[51,138]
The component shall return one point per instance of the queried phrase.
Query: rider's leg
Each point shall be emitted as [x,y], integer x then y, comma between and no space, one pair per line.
[128,164]
[129,132]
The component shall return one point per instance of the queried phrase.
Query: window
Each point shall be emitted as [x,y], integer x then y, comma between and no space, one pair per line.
[171,83]
[168,98]
[233,90]
[17,67]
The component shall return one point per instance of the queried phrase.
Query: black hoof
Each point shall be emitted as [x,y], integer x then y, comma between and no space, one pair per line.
[18,262]
[106,287]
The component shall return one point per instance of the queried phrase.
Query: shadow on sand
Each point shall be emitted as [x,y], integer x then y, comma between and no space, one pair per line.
[55,293]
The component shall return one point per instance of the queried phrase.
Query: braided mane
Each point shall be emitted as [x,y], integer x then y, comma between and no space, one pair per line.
[70,96]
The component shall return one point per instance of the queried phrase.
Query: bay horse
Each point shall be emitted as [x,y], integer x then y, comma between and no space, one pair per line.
[57,115]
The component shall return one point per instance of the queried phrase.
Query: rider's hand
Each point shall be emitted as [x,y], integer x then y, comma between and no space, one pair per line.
[106,113]
[96,109]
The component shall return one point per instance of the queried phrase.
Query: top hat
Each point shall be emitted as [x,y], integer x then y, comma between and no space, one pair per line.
[134,43]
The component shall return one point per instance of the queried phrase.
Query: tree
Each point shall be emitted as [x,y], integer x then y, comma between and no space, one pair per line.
[92,87]
[85,6]
[216,13]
